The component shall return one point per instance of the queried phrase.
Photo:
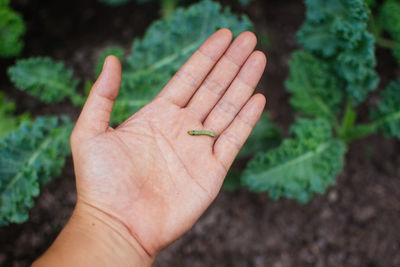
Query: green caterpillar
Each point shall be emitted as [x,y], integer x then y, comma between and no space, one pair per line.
[202,133]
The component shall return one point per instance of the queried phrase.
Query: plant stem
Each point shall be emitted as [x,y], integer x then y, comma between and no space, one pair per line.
[348,120]
[363,130]
[374,27]
[376,31]
[386,43]
[168,7]
[367,129]
[359,131]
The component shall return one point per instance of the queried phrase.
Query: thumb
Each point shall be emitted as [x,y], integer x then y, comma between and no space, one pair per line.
[96,112]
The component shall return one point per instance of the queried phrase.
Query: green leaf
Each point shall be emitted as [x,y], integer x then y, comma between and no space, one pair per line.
[4,3]
[357,68]
[166,45]
[336,30]
[46,79]
[315,91]
[264,40]
[8,121]
[389,17]
[370,3]
[12,28]
[264,136]
[333,25]
[300,167]
[29,156]
[387,115]
[112,50]
[232,180]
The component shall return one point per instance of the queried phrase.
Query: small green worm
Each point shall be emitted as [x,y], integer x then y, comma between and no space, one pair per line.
[202,133]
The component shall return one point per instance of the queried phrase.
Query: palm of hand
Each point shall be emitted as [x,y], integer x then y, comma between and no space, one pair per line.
[149,173]
[153,163]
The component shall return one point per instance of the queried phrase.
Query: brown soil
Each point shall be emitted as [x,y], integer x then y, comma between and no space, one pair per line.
[355,224]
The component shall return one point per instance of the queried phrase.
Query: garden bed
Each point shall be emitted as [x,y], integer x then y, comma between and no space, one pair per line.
[355,224]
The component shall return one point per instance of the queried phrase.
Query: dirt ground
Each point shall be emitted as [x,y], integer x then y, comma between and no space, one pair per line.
[355,224]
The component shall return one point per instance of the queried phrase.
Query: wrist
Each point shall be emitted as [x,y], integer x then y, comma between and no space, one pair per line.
[93,238]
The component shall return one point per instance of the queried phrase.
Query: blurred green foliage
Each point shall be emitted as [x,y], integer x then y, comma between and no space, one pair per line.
[46,79]
[29,156]
[12,28]
[330,75]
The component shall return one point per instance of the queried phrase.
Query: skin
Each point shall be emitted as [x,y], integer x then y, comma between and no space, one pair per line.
[145,183]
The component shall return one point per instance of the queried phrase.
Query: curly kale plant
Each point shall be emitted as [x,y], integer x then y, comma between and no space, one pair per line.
[29,157]
[35,151]
[329,77]
[265,136]
[166,45]
[336,31]
[300,166]
[45,79]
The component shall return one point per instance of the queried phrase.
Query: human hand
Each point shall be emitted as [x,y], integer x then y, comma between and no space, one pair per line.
[150,176]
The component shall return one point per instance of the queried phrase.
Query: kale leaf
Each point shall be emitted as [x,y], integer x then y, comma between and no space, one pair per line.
[166,45]
[336,30]
[29,156]
[46,79]
[12,27]
[300,166]
[315,91]
[387,115]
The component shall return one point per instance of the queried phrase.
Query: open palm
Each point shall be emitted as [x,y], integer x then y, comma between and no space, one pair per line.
[149,173]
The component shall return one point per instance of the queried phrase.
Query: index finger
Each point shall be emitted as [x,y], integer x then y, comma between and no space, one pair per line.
[189,77]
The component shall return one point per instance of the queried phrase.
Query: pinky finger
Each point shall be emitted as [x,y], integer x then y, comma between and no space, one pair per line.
[231,140]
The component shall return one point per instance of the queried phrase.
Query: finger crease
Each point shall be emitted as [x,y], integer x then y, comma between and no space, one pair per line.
[186,78]
[245,120]
[232,139]
[230,61]
[228,107]
[214,87]
[206,55]
[240,80]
